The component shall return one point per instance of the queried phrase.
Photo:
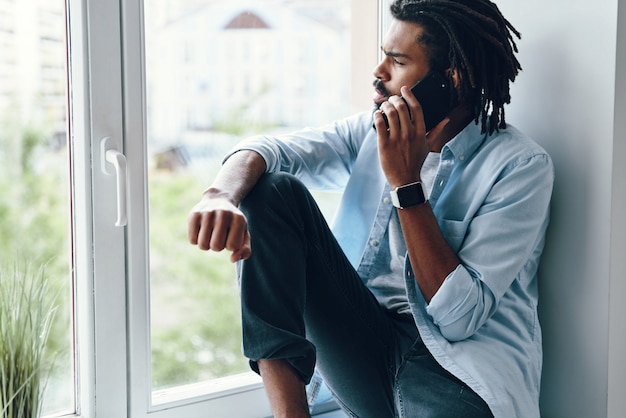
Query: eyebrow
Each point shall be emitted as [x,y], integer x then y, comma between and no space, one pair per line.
[394,54]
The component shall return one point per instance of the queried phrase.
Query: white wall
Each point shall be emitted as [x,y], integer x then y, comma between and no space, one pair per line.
[617,326]
[566,99]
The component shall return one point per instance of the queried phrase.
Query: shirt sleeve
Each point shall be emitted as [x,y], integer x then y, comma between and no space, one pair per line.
[500,248]
[321,158]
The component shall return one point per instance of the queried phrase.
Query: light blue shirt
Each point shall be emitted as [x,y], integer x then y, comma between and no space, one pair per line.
[491,198]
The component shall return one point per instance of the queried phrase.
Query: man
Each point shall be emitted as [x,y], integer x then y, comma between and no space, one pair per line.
[426,304]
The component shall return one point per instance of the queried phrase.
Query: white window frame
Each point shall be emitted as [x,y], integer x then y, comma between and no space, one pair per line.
[107,99]
[99,250]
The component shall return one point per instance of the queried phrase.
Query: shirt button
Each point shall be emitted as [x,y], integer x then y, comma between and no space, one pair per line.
[373,243]
[462,157]
[386,201]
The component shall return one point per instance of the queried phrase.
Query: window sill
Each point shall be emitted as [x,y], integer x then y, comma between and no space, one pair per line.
[166,398]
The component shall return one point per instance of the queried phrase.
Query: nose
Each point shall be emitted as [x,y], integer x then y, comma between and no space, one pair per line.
[380,72]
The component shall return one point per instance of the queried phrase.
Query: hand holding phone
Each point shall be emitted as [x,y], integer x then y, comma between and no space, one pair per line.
[435,95]
[402,152]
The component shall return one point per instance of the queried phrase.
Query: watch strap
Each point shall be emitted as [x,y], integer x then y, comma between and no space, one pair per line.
[408,195]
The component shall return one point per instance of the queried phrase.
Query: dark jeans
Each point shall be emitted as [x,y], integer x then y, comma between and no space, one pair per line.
[302,301]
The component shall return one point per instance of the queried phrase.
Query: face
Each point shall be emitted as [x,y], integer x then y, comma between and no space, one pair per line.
[404,63]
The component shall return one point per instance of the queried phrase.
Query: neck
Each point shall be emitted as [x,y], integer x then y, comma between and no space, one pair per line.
[458,119]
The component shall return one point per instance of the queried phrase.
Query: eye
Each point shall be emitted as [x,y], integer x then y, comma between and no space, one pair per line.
[395,61]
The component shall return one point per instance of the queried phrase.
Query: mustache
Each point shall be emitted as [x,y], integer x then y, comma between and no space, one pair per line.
[380,86]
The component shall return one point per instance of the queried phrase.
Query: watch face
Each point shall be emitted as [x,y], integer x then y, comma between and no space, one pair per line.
[410,195]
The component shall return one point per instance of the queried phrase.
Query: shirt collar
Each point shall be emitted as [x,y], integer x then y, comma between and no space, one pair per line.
[466,142]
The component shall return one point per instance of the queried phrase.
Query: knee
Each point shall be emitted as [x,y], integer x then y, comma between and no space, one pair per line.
[272,187]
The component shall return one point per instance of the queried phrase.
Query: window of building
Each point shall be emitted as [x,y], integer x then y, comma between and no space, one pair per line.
[115,117]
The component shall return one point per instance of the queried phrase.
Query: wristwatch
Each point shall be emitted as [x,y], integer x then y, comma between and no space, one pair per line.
[411,194]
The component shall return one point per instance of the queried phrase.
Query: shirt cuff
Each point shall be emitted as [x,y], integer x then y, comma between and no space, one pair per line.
[454,299]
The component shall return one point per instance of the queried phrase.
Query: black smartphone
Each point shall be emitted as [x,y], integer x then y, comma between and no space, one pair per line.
[436,97]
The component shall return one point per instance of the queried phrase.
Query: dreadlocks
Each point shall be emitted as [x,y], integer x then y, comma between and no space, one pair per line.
[472,38]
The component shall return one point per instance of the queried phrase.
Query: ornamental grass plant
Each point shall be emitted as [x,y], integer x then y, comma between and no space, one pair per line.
[27,310]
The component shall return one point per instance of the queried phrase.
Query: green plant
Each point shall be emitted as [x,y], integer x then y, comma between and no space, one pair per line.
[35,214]
[27,310]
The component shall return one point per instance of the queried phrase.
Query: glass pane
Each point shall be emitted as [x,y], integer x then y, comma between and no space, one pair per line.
[35,184]
[218,71]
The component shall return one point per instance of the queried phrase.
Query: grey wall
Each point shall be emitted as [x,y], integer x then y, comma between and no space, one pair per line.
[571,97]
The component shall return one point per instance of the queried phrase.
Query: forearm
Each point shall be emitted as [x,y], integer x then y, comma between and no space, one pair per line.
[432,259]
[237,176]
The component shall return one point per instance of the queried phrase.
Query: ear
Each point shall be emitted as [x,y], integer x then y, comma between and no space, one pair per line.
[455,76]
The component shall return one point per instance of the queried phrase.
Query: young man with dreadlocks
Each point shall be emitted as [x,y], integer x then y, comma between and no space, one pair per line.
[422,302]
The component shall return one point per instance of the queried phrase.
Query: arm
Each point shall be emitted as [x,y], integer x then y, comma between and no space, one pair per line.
[432,259]
[215,223]
[321,157]
[403,149]
[499,239]
[492,244]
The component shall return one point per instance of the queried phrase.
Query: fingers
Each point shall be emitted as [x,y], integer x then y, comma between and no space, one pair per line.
[217,230]
[244,252]
[193,227]
[390,113]
[200,229]
[401,111]
[230,232]
[380,121]
[413,107]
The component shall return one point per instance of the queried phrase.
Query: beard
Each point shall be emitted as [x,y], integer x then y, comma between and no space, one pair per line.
[380,86]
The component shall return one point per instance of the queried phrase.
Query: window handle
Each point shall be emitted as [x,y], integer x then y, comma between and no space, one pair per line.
[109,155]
